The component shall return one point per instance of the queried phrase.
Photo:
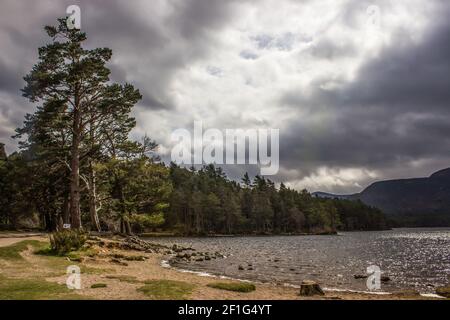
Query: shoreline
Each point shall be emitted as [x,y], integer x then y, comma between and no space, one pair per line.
[102,270]
[166,264]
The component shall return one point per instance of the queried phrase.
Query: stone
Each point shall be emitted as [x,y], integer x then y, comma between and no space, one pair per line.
[240,267]
[310,288]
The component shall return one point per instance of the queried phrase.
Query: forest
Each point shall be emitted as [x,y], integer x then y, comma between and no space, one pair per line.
[77,166]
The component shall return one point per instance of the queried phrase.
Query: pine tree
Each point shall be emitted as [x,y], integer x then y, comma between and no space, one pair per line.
[72,83]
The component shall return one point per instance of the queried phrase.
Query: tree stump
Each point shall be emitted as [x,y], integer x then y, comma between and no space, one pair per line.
[310,288]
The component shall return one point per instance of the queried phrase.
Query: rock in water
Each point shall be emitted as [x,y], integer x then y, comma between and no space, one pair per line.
[310,288]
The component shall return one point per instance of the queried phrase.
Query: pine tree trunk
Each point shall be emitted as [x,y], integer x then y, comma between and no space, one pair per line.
[93,200]
[125,224]
[125,227]
[66,210]
[75,213]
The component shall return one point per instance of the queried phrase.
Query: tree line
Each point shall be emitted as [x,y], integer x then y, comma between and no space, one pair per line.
[77,166]
[206,201]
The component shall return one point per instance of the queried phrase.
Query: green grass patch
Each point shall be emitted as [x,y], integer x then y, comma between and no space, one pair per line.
[13,251]
[99,285]
[72,255]
[36,289]
[123,278]
[237,287]
[166,289]
[135,258]
[59,263]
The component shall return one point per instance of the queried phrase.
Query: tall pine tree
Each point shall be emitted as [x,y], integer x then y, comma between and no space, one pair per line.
[73,86]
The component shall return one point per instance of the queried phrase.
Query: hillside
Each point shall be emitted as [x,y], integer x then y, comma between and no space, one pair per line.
[410,202]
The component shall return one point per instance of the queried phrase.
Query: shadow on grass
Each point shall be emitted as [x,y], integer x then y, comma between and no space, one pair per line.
[236,287]
[167,289]
[34,289]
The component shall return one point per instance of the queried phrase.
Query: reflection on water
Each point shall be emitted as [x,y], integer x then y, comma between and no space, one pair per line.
[413,258]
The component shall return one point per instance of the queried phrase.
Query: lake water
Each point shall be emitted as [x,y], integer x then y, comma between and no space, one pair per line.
[413,258]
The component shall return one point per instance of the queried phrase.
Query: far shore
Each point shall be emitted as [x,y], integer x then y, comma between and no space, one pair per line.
[122,281]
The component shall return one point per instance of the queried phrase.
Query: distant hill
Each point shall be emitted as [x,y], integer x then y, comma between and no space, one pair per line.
[409,202]
[332,196]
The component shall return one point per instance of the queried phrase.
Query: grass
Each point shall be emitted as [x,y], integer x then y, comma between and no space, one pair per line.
[135,258]
[36,289]
[237,287]
[57,264]
[99,285]
[12,252]
[123,278]
[166,289]
[60,263]
[72,255]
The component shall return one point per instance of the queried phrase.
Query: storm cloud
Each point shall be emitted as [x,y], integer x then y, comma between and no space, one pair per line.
[360,90]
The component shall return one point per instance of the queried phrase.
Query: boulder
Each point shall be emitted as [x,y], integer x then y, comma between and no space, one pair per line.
[310,288]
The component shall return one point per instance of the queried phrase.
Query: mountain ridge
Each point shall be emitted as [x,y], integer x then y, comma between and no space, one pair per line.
[411,202]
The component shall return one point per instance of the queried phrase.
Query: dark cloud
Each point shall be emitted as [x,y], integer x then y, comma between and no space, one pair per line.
[148,48]
[248,55]
[393,117]
[395,113]
[10,81]
[328,49]
[193,18]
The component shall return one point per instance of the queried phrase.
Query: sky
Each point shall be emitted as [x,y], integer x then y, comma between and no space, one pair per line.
[360,90]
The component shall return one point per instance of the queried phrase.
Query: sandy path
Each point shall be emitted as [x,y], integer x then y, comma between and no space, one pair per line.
[9,239]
